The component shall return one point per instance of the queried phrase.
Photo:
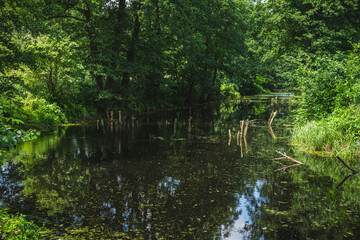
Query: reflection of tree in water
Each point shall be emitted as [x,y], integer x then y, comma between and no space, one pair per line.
[189,195]
[303,205]
[125,181]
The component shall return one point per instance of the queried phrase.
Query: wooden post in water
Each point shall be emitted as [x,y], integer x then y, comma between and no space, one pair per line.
[272,116]
[148,115]
[103,125]
[241,127]
[120,118]
[132,121]
[229,137]
[241,148]
[246,148]
[97,124]
[107,115]
[246,127]
[175,122]
[112,115]
[189,126]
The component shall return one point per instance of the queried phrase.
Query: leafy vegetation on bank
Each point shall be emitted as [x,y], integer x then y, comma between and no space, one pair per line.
[330,100]
[10,136]
[17,227]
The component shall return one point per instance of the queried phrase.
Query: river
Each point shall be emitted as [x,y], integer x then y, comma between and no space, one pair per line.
[149,180]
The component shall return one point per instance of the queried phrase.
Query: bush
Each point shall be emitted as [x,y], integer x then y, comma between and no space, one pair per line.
[41,112]
[9,136]
[328,83]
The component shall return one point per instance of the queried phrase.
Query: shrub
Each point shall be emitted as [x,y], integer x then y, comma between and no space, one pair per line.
[328,83]
[41,112]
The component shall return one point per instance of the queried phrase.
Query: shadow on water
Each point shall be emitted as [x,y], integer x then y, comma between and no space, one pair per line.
[158,181]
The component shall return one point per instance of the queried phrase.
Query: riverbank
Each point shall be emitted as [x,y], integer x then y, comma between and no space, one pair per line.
[338,134]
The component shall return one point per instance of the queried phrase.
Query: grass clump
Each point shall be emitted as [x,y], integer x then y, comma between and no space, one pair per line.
[339,133]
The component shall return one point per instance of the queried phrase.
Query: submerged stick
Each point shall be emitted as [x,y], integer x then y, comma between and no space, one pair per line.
[351,169]
[288,166]
[294,160]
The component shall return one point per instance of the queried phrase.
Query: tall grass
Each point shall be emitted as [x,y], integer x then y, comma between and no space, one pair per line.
[338,133]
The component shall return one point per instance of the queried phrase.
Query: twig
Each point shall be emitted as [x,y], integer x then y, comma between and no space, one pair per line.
[344,180]
[294,160]
[279,163]
[289,166]
[342,161]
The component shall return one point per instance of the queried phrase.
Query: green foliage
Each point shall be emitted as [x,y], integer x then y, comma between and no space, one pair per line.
[10,136]
[327,83]
[17,227]
[40,112]
[284,32]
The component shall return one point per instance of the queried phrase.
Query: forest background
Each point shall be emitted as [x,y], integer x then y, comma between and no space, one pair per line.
[63,59]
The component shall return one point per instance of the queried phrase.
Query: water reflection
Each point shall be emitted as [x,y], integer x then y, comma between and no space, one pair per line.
[154,181]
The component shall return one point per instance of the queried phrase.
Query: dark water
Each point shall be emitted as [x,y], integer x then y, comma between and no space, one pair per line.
[145,182]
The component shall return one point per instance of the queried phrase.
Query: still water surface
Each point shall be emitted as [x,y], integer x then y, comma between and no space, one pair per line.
[144,181]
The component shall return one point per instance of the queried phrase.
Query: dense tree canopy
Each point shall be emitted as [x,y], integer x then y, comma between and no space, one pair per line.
[97,55]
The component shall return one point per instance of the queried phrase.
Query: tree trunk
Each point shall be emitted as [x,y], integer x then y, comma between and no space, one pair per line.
[130,56]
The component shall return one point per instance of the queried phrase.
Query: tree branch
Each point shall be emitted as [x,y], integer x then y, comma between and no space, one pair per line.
[64,16]
[294,160]
[351,169]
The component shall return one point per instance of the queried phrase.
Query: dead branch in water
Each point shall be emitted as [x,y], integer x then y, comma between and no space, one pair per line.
[288,166]
[284,167]
[344,180]
[344,163]
[285,156]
